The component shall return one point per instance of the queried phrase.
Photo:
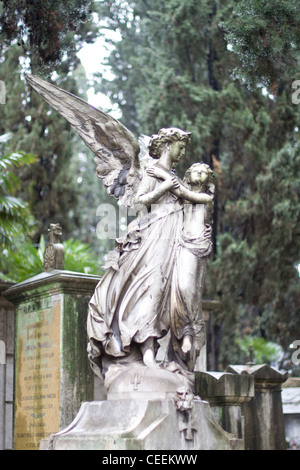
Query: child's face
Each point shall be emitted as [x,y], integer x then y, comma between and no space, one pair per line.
[199,175]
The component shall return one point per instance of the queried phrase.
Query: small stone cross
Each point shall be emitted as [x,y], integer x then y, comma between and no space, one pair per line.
[136,379]
[187,424]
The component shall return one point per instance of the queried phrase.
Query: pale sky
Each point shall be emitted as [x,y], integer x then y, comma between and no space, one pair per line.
[92,56]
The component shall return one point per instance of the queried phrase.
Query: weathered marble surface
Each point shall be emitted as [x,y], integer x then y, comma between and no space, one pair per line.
[143,425]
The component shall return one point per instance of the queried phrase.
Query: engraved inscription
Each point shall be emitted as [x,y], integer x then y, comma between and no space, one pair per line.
[37,372]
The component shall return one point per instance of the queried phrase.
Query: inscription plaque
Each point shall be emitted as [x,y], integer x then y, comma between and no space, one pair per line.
[37,404]
[52,373]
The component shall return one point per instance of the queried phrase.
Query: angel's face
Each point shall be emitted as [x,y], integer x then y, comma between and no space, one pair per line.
[177,150]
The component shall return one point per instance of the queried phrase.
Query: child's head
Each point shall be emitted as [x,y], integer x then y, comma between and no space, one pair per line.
[200,175]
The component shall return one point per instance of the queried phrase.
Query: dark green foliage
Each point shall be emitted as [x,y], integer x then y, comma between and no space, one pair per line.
[266,37]
[16,220]
[44,38]
[263,351]
[36,129]
[167,69]
[47,29]
[28,260]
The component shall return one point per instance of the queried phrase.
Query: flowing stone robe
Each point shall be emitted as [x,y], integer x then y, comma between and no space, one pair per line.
[154,283]
[132,302]
[194,247]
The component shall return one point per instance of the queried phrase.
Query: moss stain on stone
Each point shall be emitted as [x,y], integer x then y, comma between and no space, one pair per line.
[75,362]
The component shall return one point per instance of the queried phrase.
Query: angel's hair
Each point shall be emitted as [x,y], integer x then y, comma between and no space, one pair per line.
[164,137]
[210,186]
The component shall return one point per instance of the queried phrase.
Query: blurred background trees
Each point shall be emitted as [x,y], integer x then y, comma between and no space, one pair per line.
[16,220]
[218,68]
[43,38]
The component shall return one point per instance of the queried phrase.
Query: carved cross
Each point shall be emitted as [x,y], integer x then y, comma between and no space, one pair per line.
[136,379]
[187,424]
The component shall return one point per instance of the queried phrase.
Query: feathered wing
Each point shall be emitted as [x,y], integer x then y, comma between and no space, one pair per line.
[145,159]
[115,148]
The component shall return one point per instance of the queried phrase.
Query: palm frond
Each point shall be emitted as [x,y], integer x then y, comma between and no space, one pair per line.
[5,137]
[15,217]
[27,261]
[17,159]
[9,182]
[10,205]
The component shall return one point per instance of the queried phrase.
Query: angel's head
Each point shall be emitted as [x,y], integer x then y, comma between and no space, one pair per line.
[165,138]
[200,176]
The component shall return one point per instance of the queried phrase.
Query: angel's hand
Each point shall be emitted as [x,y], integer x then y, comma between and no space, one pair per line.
[156,172]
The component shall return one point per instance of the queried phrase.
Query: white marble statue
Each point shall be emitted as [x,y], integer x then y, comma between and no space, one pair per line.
[154,278]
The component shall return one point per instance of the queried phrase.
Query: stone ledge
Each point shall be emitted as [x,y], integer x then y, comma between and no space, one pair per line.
[56,281]
[224,387]
[264,375]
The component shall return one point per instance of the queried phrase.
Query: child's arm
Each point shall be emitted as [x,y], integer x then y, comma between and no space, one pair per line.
[182,191]
[196,198]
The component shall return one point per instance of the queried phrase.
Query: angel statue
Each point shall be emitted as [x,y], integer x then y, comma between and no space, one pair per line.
[154,278]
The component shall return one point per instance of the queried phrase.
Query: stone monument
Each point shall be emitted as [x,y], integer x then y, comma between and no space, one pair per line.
[52,375]
[263,414]
[153,286]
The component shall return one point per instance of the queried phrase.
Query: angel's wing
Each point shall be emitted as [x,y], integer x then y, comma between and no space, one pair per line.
[116,149]
[144,157]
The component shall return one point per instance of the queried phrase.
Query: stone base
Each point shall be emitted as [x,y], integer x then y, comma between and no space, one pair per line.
[142,425]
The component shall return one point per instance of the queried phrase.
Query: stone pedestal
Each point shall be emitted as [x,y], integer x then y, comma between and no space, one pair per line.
[142,425]
[147,409]
[226,393]
[52,373]
[264,422]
